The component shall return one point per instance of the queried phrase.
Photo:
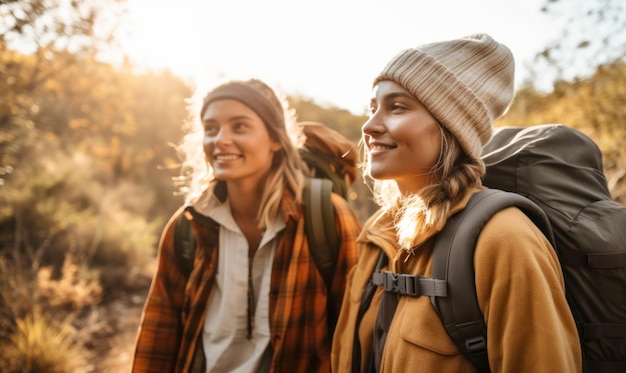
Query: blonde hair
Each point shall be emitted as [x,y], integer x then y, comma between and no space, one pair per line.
[419,214]
[287,170]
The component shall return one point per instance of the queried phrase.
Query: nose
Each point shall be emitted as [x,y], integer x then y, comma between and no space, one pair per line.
[373,126]
[222,136]
[217,136]
[218,139]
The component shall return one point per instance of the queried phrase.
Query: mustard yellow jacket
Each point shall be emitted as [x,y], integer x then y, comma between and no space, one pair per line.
[520,292]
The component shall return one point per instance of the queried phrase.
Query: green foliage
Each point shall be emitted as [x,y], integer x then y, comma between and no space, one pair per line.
[85,149]
[65,203]
[85,180]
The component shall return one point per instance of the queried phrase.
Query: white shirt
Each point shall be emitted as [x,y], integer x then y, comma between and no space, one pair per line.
[224,337]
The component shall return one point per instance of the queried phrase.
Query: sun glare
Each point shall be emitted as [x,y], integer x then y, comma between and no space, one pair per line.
[326,50]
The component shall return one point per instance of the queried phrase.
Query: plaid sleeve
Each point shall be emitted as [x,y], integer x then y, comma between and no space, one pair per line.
[303,311]
[160,327]
[348,228]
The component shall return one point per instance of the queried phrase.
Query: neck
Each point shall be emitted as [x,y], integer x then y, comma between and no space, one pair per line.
[244,200]
[244,205]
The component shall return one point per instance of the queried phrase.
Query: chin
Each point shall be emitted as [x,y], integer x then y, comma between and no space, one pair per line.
[222,176]
[379,175]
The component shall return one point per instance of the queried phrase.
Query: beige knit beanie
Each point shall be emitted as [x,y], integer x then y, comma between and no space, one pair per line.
[465,83]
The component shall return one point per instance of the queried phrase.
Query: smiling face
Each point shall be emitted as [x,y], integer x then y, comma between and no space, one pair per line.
[237,143]
[402,138]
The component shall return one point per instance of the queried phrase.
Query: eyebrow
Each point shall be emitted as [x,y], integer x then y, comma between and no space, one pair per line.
[392,95]
[235,118]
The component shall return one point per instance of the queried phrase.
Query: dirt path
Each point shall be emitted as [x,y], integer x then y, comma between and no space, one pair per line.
[122,314]
[125,313]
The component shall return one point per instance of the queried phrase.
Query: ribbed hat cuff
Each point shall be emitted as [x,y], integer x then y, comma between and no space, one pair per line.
[248,96]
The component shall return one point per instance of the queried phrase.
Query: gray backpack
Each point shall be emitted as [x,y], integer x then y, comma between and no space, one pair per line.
[554,174]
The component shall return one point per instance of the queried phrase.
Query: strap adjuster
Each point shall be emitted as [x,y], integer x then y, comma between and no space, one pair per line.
[400,283]
[412,285]
[476,345]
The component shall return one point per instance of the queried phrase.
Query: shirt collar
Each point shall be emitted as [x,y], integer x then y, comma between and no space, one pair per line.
[209,205]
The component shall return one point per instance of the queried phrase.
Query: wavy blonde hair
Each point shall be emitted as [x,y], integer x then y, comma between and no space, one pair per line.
[287,170]
[419,214]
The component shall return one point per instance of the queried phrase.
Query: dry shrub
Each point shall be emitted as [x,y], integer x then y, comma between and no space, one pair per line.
[38,345]
[76,287]
[43,317]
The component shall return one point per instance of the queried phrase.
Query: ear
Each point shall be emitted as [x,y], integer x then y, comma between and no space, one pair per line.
[275,146]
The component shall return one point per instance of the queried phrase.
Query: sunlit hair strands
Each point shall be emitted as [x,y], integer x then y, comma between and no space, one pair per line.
[280,121]
[466,84]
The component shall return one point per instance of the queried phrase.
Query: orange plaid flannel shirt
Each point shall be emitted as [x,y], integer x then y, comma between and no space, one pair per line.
[301,309]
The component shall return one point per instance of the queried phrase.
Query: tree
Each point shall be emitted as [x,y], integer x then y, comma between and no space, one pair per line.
[38,40]
[593,34]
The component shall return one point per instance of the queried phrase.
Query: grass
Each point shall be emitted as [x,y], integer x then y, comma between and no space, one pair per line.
[38,345]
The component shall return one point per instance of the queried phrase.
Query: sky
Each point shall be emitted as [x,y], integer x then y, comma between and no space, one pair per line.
[326,50]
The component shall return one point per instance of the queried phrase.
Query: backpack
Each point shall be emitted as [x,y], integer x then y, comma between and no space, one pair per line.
[327,154]
[553,173]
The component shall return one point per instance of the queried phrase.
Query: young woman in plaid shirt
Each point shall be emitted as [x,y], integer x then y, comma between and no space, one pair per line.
[254,300]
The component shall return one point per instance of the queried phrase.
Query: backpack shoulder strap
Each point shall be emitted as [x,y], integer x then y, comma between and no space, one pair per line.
[184,244]
[319,227]
[319,221]
[453,262]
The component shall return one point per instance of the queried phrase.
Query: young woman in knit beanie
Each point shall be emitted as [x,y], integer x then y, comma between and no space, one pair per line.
[432,110]
[254,300]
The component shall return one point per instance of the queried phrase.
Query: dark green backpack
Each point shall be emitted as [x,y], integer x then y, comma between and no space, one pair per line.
[554,174]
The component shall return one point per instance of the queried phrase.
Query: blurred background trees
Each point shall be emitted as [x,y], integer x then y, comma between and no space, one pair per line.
[85,171]
[86,161]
